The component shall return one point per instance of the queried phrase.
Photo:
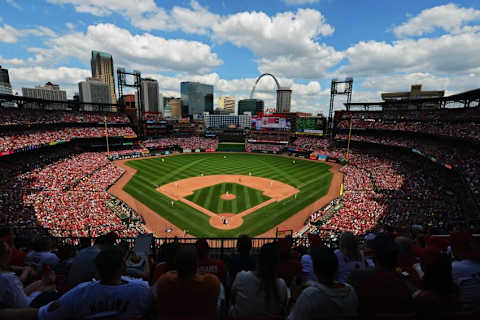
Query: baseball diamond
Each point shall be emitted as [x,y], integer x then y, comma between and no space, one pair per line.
[180,190]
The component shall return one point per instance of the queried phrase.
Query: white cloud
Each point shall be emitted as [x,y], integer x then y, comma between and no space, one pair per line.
[144,52]
[450,18]
[6,62]
[450,53]
[9,34]
[299,2]
[66,77]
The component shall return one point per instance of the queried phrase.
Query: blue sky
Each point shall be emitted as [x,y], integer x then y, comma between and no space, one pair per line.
[383,45]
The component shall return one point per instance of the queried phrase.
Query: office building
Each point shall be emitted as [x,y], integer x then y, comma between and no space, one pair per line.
[227,121]
[284,98]
[49,91]
[5,88]
[102,68]
[227,103]
[254,106]
[414,93]
[93,91]
[175,105]
[196,98]
[152,100]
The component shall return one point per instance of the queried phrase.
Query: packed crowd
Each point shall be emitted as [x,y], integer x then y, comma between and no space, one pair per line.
[310,143]
[462,158]
[13,140]
[250,147]
[15,116]
[67,195]
[399,275]
[468,130]
[424,115]
[192,142]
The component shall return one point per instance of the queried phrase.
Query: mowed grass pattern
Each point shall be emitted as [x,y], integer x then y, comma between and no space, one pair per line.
[311,178]
[209,198]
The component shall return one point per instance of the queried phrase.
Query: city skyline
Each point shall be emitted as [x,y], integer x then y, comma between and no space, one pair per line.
[385,47]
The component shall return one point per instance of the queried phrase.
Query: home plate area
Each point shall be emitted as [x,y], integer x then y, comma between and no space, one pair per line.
[227,198]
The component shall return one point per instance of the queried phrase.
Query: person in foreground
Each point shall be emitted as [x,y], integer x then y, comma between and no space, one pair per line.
[260,293]
[111,296]
[326,298]
[186,294]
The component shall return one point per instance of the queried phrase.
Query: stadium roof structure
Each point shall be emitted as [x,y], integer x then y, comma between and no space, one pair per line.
[469,99]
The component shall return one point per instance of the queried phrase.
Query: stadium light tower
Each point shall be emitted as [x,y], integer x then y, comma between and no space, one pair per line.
[334,91]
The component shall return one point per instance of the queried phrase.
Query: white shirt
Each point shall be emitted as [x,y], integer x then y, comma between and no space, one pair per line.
[345,266]
[38,259]
[466,274]
[249,299]
[92,298]
[12,294]
[320,301]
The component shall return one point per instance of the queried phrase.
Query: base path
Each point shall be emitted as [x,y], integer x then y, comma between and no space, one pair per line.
[157,224]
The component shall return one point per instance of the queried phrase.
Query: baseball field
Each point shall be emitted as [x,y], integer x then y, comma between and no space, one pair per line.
[226,195]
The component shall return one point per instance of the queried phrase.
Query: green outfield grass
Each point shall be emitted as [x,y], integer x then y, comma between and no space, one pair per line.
[311,178]
[209,198]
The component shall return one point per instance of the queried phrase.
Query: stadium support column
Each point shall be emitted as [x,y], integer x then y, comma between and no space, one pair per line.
[334,91]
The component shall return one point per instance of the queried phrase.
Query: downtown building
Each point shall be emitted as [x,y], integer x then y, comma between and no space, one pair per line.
[49,91]
[93,91]
[152,100]
[175,107]
[102,68]
[196,98]
[284,98]
[5,88]
[227,103]
[227,121]
[253,106]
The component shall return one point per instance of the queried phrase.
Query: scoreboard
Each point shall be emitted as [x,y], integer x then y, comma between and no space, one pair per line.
[310,125]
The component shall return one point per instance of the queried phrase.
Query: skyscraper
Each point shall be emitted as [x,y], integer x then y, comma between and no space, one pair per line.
[102,68]
[93,91]
[227,103]
[5,87]
[284,97]
[152,100]
[196,97]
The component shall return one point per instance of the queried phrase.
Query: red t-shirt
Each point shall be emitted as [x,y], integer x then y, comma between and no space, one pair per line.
[213,266]
[288,270]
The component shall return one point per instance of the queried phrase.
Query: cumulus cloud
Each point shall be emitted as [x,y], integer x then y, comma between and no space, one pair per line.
[449,18]
[145,52]
[11,62]
[9,34]
[450,53]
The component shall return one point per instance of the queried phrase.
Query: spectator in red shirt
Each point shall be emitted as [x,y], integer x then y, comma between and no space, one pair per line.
[169,251]
[209,265]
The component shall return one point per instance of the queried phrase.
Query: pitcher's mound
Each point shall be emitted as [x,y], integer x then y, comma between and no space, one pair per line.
[228,196]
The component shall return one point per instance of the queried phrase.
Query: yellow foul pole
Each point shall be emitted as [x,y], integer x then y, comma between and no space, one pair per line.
[349,136]
[106,137]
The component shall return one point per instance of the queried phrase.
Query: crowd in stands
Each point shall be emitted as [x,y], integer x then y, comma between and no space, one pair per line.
[15,116]
[424,115]
[250,147]
[462,158]
[13,140]
[308,143]
[392,275]
[192,142]
[468,130]
[67,195]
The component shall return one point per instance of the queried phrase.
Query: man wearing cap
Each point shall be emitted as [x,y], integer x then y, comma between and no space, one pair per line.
[111,296]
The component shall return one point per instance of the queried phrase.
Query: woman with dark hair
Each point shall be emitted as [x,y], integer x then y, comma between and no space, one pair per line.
[440,294]
[349,256]
[260,293]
